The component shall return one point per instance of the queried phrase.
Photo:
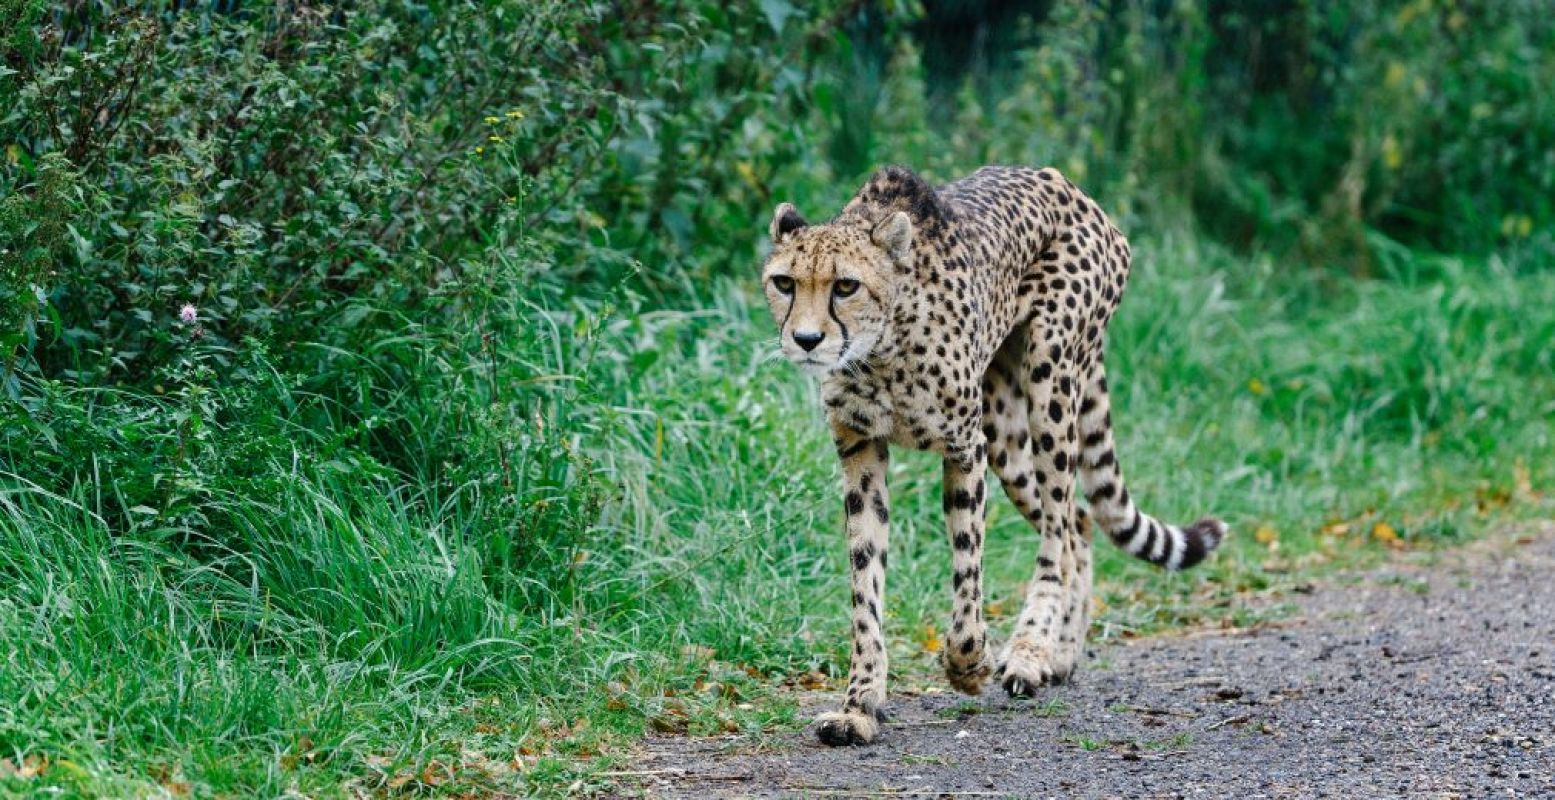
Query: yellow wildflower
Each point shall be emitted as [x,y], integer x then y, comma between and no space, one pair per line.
[1395,75]
[1392,153]
[747,172]
[1516,225]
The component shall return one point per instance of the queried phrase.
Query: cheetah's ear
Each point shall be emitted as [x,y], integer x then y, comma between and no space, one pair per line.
[785,220]
[894,235]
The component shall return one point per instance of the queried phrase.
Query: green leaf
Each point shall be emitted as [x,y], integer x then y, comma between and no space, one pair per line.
[777,12]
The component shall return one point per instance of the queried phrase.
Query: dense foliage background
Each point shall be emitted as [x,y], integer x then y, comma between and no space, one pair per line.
[380,386]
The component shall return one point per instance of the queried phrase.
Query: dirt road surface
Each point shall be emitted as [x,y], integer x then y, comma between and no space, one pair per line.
[1431,677]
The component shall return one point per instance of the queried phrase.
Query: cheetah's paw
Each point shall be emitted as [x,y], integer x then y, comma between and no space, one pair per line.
[969,678]
[1028,668]
[851,726]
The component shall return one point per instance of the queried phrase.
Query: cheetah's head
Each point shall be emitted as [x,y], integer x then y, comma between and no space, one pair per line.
[831,286]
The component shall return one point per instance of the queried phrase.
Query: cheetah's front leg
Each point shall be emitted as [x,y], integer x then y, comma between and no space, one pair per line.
[865,500]
[967,664]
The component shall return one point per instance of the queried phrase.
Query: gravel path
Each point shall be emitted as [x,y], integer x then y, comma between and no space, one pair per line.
[1433,677]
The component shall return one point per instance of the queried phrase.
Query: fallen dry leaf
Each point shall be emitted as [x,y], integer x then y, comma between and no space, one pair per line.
[813,679]
[1522,480]
[928,638]
[697,652]
[672,720]
[1383,532]
[31,767]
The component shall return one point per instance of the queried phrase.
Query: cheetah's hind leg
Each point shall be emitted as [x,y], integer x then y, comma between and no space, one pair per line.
[1076,621]
[1032,650]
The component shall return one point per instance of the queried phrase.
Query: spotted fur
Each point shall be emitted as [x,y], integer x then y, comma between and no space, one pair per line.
[968,320]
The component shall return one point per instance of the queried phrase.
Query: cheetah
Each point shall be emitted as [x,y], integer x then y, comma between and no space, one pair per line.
[967,320]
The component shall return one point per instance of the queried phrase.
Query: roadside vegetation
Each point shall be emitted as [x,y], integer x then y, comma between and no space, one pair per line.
[386,407]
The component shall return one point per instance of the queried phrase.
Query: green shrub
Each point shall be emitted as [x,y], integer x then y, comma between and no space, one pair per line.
[1304,128]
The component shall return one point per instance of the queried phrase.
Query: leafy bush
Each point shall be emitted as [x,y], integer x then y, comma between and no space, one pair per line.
[396,197]
[1305,127]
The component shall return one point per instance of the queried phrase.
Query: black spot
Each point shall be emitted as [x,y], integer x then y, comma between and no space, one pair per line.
[855,503]
[863,555]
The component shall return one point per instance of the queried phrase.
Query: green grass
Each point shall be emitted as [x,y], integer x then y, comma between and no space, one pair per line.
[340,635]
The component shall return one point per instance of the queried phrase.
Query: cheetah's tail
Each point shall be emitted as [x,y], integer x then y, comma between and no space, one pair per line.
[1137,533]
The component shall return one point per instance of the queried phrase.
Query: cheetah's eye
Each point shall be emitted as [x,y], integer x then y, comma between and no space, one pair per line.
[783,284]
[843,288]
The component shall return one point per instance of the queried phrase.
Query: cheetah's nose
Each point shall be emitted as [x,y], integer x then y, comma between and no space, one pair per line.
[808,340]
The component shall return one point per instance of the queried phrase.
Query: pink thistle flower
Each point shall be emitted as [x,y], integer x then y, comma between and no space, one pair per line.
[189,314]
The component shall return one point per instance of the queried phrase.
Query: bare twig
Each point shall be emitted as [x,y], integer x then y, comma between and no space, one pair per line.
[1135,756]
[1206,680]
[904,792]
[1157,712]
[1236,720]
[676,771]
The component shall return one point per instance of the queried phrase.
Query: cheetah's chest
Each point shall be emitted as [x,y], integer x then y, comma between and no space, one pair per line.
[913,405]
